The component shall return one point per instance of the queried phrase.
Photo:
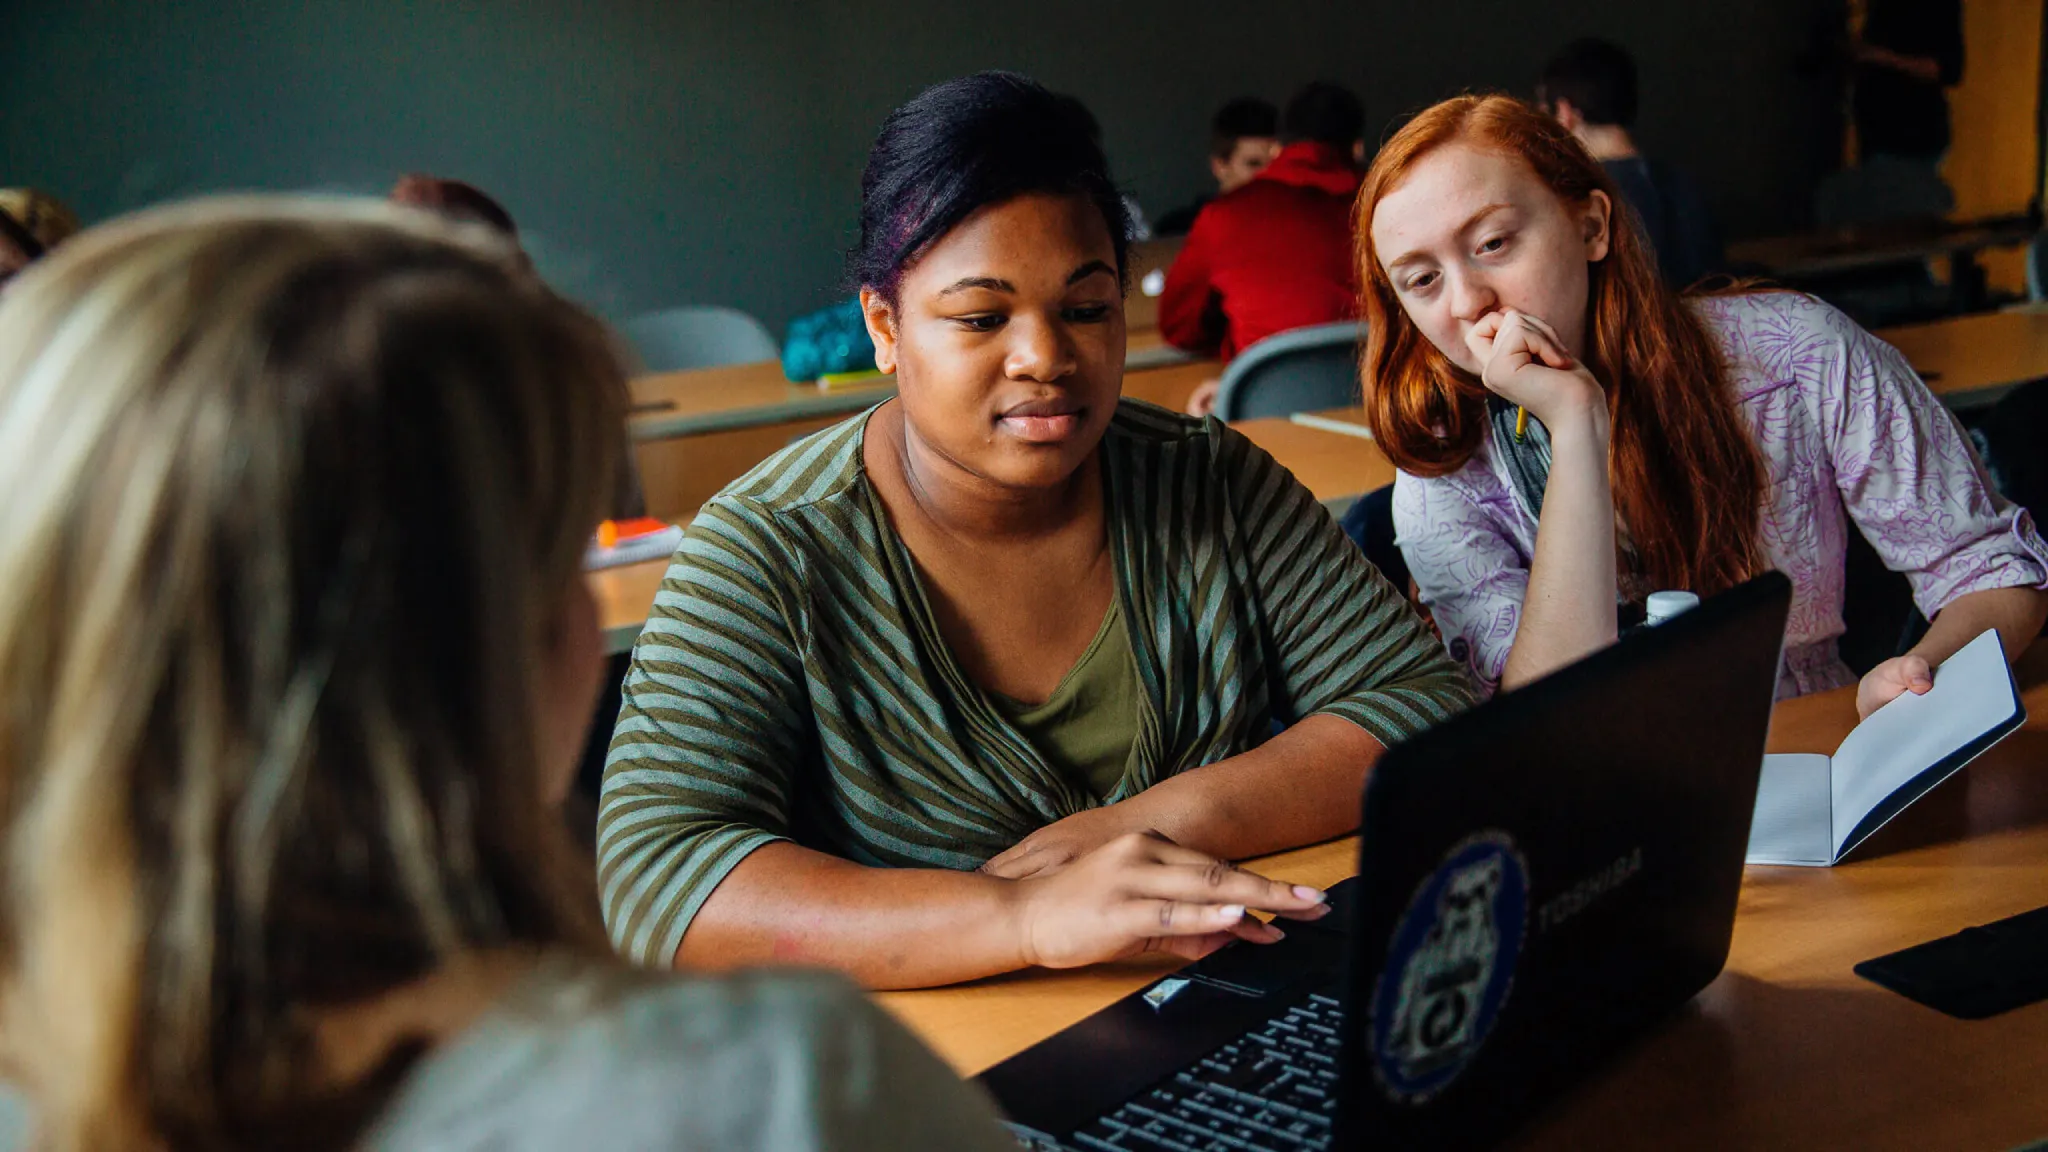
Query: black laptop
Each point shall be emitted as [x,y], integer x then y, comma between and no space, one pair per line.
[1540,880]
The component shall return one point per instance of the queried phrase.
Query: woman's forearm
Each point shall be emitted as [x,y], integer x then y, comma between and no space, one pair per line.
[1924,68]
[915,927]
[2017,613]
[1568,610]
[1300,787]
[884,927]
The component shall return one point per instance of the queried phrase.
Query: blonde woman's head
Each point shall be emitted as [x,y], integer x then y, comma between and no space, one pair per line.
[294,647]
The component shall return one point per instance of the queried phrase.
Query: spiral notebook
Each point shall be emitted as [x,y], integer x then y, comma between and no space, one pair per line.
[1814,810]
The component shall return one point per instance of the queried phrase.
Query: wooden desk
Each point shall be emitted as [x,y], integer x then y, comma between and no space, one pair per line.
[700,400]
[625,595]
[1148,256]
[1146,348]
[1817,254]
[1788,1048]
[1970,361]
[1337,468]
[1349,421]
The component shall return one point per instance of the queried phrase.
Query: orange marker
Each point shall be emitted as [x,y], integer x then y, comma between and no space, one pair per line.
[610,532]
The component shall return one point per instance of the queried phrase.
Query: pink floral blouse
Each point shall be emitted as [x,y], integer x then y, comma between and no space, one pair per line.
[1849,432]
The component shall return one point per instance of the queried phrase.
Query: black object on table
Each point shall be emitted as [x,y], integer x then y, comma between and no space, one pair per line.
[1976,973]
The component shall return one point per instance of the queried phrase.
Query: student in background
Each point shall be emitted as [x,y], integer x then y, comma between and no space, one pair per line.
[462,203]
[1907,55]
[456,200]
[1669,443]
[1276,253]
[295,661]
[31,223]
[1591,88]
[987,677]
[1243,137]
[19,247]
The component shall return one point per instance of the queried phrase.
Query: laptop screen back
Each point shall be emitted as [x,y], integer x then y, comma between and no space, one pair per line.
[1548,874]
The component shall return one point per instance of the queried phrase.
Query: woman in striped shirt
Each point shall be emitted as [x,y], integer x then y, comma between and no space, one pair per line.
[988,676]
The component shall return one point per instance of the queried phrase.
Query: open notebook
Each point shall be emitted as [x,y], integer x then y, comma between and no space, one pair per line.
[1814,809]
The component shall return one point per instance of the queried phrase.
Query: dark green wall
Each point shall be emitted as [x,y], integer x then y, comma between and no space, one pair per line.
[664,152]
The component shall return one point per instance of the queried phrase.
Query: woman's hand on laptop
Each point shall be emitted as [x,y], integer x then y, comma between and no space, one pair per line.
[1142,893]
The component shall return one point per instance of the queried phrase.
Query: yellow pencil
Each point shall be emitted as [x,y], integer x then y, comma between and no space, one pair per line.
[1521,423]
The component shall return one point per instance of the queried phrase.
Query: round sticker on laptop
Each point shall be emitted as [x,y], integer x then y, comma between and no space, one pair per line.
[1449,967]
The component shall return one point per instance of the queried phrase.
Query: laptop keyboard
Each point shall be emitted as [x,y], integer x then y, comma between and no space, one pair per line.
[1273,1088]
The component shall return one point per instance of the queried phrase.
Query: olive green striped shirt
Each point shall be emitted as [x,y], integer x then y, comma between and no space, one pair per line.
[790,684]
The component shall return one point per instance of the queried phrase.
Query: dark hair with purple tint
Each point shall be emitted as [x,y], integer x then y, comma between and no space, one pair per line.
[960,146]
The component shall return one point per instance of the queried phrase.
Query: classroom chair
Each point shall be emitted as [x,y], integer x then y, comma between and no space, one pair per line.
[1305,370]
[675,339]
[1370,524]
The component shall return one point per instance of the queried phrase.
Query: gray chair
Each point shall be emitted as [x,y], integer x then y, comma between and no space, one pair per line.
[1303,370]
[698,337]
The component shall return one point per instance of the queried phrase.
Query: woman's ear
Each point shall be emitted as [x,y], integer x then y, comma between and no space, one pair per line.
[1598,224]
[881,321]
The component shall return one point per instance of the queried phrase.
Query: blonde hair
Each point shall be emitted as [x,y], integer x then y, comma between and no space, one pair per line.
[295,491]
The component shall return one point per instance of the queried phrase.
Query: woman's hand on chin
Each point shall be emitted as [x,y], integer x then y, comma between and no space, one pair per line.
[1142,893]
[1526,364]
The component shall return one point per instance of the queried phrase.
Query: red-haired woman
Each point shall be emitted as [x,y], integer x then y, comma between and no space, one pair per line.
[1668,443]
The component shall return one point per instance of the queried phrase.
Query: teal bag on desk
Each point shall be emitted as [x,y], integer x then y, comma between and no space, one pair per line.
[833,339]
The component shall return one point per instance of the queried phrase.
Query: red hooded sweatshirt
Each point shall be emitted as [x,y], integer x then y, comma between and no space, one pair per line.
[1273,255]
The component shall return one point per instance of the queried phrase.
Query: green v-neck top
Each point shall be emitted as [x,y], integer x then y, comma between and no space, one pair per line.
[1088,726]
[790,683]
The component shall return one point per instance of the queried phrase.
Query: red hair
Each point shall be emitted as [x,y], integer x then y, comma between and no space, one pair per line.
[1689,481]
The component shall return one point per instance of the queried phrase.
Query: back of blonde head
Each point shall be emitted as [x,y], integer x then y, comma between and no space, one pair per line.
[294,493]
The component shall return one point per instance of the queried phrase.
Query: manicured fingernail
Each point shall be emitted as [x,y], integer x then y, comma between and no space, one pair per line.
[1230,913]
[1304,892]
[1278,935]
[1321,909]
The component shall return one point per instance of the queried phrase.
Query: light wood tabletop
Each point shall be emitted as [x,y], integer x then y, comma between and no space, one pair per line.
[732,396]
[1350,421]
[1814,254]
[1971,361]
[1141,308]
[1334,466]
[625,595]
[1788,1048]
